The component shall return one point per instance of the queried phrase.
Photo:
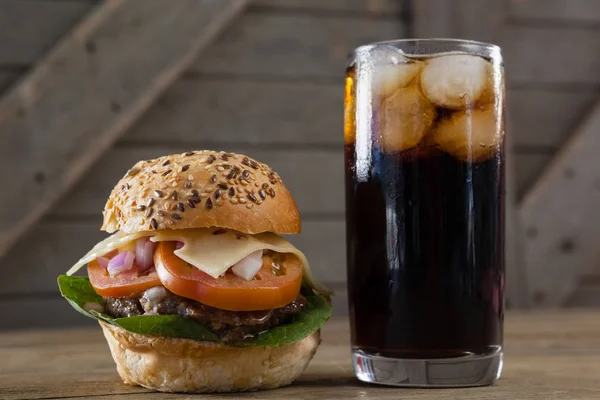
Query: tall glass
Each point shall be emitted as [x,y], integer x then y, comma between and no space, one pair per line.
[424,154]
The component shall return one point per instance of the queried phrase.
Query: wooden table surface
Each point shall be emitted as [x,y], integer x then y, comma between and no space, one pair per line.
[549,355]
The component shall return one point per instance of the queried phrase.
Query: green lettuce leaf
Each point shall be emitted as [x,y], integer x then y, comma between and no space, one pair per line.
[79,293]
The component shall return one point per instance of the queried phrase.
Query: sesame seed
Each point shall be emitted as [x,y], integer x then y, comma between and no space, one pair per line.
[231,175]
[141,207]
[133,171]
[252,197]
[185,167]
[272,181]
[242,200]
[149,212]
[159,193]
[153,223]
[167,172]
[265,185]
[262,194]
[167,205]
[187,184]
[222,186]
[213,178]
[181,207]
[226,166]
[192,203]
[211,159]
[245,174]
[205,194]
[249,205]
[217,193]
[174,196]
[160,213]
[244,182]
[166,163]
[175,216]
[196,199]
[189,153]
[125,186]
[208,204]
[190,177]
[220,169]
[194,192]
[233,200]
[225,157]
[150,202]
[232,191]
[254,164]
[246,162]
[154,171]
[271,192]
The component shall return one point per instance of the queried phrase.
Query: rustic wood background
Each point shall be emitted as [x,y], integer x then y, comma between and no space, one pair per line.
[271,86]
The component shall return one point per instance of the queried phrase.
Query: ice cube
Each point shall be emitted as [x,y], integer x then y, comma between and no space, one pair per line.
[454,81]
[391,69]
[494,88]
[470,135]
[405,117]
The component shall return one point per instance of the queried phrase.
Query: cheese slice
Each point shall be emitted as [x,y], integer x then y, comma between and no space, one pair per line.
[211,250]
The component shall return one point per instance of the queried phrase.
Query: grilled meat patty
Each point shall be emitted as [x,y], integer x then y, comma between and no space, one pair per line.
[229,325]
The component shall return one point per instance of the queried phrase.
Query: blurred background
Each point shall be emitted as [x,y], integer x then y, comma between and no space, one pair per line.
[90,87]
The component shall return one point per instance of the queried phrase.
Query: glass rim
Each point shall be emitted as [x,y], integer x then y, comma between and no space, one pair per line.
[472,46]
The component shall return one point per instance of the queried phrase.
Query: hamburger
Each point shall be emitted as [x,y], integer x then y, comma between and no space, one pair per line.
[195,290]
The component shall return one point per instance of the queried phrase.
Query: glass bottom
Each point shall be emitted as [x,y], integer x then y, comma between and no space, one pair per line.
[469,370]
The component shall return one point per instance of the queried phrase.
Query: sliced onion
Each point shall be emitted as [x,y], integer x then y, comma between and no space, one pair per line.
[179,245]
[121,262]
[103,261]
[248,266]
[144,253]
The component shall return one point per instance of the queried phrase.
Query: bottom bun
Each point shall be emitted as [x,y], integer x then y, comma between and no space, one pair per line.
[184,365]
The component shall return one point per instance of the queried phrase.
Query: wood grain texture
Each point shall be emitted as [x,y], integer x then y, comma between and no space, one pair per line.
[293,45]
[576,11]
[544,117]
[58,245]
[28,29]
[554,355]
[236,111]
[560,214]
[376,7]
[88,90]
[551,55]
[315,177]
[585,295]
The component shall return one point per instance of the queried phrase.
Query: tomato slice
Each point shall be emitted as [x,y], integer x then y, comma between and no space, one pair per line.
[230,292]
[126,284]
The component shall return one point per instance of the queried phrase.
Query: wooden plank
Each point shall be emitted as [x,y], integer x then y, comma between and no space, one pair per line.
[543,117]
[529,165]
[560,215]
[377,7]
[314,176]
[293,45]
[28,29]
[58,245]
[551,55]
[7,78]
[226,111]
[555,10]
[40,312]
[552,356]
[585,296]
[124,56]
[433,18]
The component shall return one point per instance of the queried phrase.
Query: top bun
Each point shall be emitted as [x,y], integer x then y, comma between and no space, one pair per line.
[201,189]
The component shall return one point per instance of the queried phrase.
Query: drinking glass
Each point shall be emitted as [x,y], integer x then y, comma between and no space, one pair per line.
[424,156]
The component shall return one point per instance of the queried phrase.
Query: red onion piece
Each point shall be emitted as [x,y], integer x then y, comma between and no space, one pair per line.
[103,261]
[121,262]
[144,253]
[179,245]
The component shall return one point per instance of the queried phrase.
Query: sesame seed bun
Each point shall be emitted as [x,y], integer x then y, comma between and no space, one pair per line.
[185,365]
[201,189]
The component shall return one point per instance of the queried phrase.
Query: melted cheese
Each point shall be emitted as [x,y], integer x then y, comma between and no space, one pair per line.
[211,253]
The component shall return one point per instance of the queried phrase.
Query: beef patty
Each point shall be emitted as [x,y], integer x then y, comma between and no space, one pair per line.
[229,325]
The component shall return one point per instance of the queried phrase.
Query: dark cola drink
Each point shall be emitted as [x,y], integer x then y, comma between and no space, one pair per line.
[424,155]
